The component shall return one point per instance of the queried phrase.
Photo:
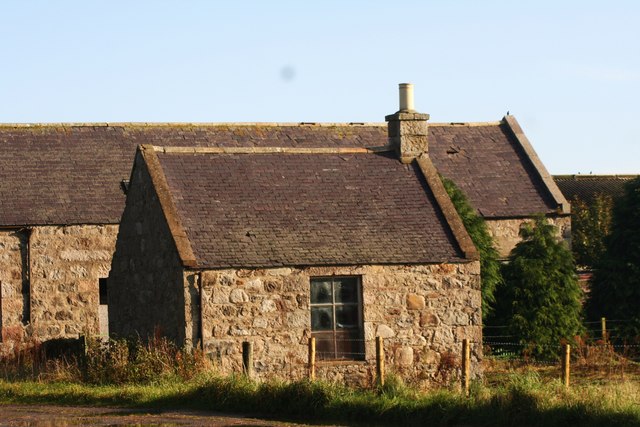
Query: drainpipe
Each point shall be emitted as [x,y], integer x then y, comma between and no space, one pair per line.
[200,309]
[26,284]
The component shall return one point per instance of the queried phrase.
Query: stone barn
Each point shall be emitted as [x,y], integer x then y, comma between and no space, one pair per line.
[586,188]
[497,168]
[275,245]
[62,194]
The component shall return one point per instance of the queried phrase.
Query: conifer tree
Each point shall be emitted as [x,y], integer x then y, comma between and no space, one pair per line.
[590,225]
[540,299]
[479,233]
[615,289]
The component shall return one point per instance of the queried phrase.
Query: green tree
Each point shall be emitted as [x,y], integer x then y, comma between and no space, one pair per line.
[590,225]
[479,233]
[615,289]
[540,299]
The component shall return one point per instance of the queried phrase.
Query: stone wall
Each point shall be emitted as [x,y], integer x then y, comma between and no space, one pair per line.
[505,232]
[12,302]
[146,281]
[65,264]
[423,312]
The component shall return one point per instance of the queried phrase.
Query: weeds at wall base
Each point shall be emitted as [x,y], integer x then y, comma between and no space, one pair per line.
[104,362]
[127,373]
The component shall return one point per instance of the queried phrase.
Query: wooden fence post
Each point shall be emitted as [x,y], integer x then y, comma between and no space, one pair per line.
[312,358]
[566,364]
[247,359]
[466,364]
[84,345]
[603,323]
[380,361]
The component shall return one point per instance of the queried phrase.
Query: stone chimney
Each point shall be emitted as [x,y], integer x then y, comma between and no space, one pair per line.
[407,128]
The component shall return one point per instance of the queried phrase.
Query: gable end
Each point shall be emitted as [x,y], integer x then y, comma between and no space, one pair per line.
[547,179]
[169,209]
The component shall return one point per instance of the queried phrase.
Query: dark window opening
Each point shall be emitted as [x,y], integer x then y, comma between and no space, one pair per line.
[336,318]
[104,300]
[124,186]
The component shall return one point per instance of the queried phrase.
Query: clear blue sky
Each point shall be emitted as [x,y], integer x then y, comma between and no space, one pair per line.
[569,71]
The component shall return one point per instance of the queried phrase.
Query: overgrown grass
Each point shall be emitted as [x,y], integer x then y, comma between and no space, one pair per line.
[523,400]
[105,362]
[159,375]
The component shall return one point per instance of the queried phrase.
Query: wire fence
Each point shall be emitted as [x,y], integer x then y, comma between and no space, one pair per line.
[334,347]
[602,352]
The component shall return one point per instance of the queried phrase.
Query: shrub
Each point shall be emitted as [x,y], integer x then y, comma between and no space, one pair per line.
[590,225]
[615,290]
[540,298]
[479,233]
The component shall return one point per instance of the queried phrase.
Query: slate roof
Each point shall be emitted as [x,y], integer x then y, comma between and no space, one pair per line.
[487,163]
[257,210]
[586,187]
[72,173]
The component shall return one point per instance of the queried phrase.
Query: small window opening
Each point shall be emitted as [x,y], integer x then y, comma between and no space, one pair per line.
[124,186]
[104,297]
[103,308]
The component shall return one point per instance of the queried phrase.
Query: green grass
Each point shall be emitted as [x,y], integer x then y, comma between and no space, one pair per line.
[522,399]
[159,375]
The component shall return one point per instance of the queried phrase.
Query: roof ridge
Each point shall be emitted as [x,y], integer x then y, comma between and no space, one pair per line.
[208,124]
[220,124]
[594,176]
[468,124]
[271,150]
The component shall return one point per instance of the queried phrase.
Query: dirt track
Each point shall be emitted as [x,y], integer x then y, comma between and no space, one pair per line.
[41,415]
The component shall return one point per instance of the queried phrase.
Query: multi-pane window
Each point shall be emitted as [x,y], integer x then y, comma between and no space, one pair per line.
[336,317]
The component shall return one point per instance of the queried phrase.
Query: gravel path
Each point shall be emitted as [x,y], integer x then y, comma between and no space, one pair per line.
[54,416]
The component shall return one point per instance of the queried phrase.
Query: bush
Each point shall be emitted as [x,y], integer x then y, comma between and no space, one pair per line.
[540,299]
[590,225]
[479,233]
[615,290]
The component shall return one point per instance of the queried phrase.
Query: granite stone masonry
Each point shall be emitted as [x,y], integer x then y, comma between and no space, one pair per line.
[211,268]
[12,282]
[50,280]
[146,261]
[506,232]
[63,189]
[421,311]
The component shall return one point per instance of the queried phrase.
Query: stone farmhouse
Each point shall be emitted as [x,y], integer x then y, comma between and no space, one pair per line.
[276,246]
[62,196]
